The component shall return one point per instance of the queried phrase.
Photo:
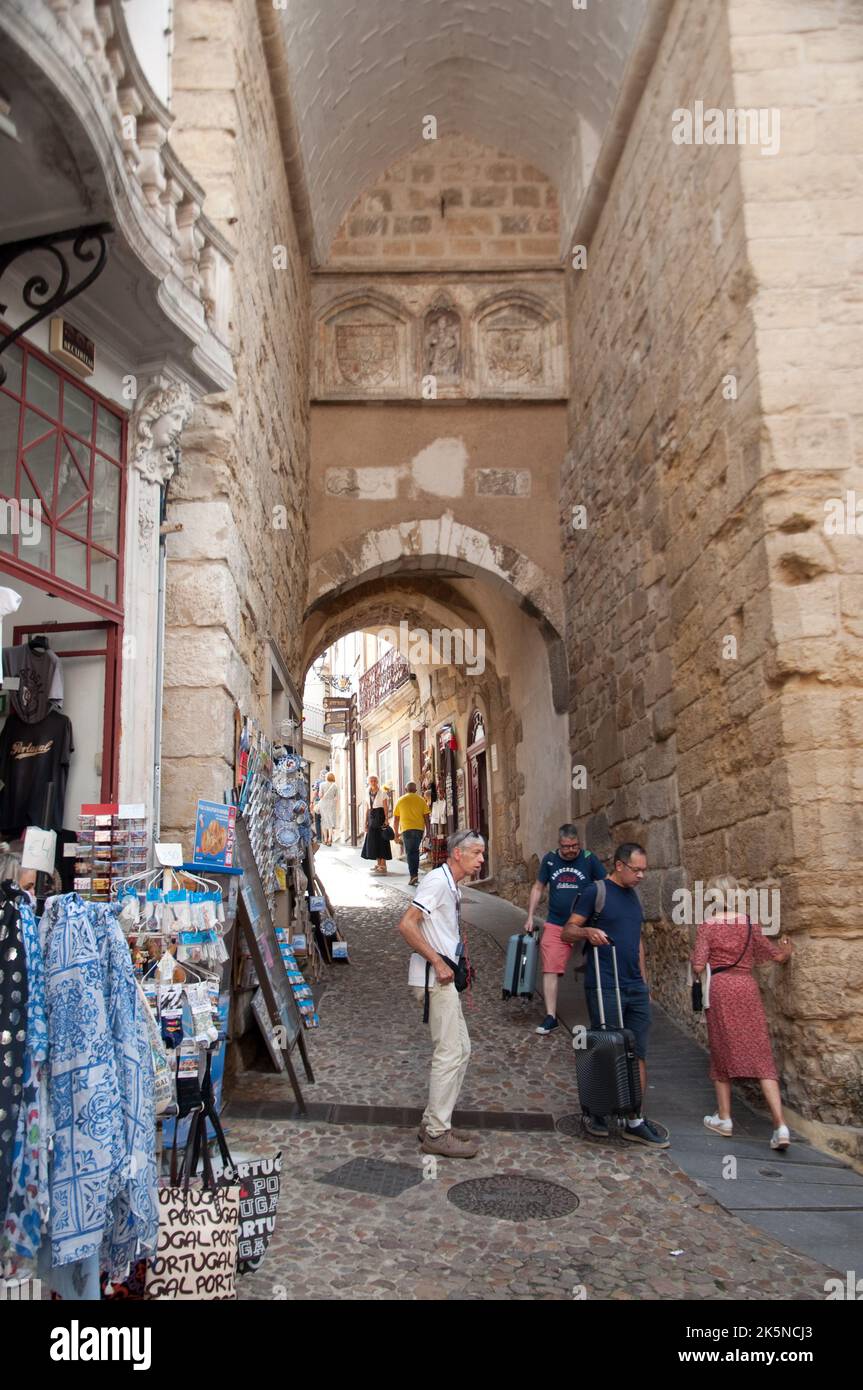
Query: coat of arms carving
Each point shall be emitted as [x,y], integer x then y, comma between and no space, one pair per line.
[366,352]
[513,343]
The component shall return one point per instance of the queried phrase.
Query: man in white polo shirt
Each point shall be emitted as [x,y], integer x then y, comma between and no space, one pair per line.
[432,928]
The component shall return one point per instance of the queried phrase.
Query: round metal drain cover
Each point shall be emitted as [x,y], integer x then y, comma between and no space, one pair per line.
[513,1198]
[570,1124]
[573,1127]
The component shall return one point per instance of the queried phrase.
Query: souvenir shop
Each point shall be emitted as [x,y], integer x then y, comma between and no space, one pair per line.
[116,1004]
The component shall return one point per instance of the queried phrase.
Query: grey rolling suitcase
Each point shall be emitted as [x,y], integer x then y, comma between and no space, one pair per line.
[609,1081]
[519,971]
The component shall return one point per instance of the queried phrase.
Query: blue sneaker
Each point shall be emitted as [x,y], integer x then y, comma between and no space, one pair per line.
[644,1134]
[547,1026]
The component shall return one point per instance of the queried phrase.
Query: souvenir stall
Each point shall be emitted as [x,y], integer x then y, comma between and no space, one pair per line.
[143,954]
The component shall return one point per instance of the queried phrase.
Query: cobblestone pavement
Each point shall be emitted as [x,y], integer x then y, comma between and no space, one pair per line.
[643,1230]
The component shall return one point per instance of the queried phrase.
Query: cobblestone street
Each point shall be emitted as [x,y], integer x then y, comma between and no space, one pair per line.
[642,1229]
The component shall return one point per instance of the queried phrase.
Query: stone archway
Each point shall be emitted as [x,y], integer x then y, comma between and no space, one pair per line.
[445,548]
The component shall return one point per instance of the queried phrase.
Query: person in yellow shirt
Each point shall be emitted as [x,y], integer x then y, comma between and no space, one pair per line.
[411,822]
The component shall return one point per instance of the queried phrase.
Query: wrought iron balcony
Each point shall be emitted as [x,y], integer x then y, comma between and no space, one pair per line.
[380,680]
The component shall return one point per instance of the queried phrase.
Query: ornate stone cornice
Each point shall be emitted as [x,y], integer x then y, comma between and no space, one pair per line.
[84,49]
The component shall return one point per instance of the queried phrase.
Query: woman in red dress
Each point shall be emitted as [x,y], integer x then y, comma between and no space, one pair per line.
[736,1024]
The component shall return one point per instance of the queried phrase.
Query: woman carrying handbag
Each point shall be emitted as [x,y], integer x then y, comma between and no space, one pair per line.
[378,830]
[736,1024]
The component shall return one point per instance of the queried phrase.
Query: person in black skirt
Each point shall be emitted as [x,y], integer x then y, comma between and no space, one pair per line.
[376,844]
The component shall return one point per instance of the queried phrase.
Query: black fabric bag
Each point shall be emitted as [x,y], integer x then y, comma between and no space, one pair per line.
[463,975]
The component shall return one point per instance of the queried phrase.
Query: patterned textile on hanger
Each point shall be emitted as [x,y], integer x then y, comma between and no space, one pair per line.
[86,1109]
[27,1208]
[132,1229]
[13,1033]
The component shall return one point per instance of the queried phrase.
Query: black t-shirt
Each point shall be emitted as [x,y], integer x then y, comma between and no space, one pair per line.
[31,756]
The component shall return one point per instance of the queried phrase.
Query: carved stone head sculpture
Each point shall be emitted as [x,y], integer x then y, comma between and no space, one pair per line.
[157,423]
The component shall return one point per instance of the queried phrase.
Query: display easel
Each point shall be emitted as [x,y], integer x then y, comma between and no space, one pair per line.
[256,922]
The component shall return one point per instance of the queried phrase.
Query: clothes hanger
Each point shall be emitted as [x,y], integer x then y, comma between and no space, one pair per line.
[38,642]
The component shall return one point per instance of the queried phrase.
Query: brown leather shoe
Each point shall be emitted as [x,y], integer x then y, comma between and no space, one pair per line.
[462,1135]
[446,1145]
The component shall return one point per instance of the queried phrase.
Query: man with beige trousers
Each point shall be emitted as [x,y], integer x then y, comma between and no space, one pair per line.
[432,928]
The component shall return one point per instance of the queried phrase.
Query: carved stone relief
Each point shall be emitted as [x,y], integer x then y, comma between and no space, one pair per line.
[364,347]
[442,351]
[511,343]
[158,420]
[478,337]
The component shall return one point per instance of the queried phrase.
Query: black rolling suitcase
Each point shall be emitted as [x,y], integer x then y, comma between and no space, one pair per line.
[609,1081]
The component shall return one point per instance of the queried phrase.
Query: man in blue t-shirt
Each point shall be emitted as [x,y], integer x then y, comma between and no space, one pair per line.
[618,924]
[565,871]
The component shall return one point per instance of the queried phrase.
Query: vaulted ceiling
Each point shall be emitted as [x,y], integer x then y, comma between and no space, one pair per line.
[535,78]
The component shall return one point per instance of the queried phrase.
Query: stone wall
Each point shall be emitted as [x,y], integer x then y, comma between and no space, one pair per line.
[803,212]
[452,202]
[237,571]
[704,708]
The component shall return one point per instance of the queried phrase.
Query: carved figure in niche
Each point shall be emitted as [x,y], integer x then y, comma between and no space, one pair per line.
[513,343]
[365,352]
[442,345]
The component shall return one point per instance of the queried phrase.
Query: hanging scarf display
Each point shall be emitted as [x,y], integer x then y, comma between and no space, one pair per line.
[27,1207]
[13,1033]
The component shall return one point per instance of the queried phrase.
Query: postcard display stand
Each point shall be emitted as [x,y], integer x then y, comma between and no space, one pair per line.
[275,1005]
[299,933]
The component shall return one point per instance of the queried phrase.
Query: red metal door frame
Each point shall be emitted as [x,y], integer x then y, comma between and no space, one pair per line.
[113,675]
[30,574]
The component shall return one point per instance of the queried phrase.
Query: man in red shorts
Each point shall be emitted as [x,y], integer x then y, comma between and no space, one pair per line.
[565,872]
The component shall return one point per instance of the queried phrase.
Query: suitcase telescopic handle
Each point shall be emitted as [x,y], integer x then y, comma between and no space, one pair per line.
[599,984]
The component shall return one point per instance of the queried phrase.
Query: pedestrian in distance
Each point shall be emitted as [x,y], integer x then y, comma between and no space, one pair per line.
[328,803]
[411,822]
[564,872]
[317,788]
[619,923]
[376,844]
[438,971]
[727,946]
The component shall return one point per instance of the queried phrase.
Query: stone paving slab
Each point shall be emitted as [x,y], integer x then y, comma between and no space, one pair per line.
[636,1207]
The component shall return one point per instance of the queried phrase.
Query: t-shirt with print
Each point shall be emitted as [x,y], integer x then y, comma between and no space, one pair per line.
[621,920]
[40,680]
[411,810]
[566,878]
[31,756]
[438,899]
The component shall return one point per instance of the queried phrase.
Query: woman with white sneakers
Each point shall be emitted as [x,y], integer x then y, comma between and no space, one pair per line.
[736,1024]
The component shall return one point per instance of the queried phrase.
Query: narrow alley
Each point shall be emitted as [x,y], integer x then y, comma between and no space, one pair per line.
[638,1227]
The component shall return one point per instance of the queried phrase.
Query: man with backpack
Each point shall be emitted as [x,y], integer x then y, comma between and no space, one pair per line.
[565,871]
[616,921]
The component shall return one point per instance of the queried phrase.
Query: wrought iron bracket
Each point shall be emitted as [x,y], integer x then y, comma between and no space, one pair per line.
[37,287]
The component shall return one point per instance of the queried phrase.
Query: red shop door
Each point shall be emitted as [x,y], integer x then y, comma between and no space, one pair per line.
[90,656]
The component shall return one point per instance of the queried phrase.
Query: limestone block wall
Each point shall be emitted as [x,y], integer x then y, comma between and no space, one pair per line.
[695,447]
[803,215]
[452,202]
[238,570]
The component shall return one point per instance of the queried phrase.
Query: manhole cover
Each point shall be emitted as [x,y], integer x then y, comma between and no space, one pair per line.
[513,1198]
[375,1176]
[573,1126]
